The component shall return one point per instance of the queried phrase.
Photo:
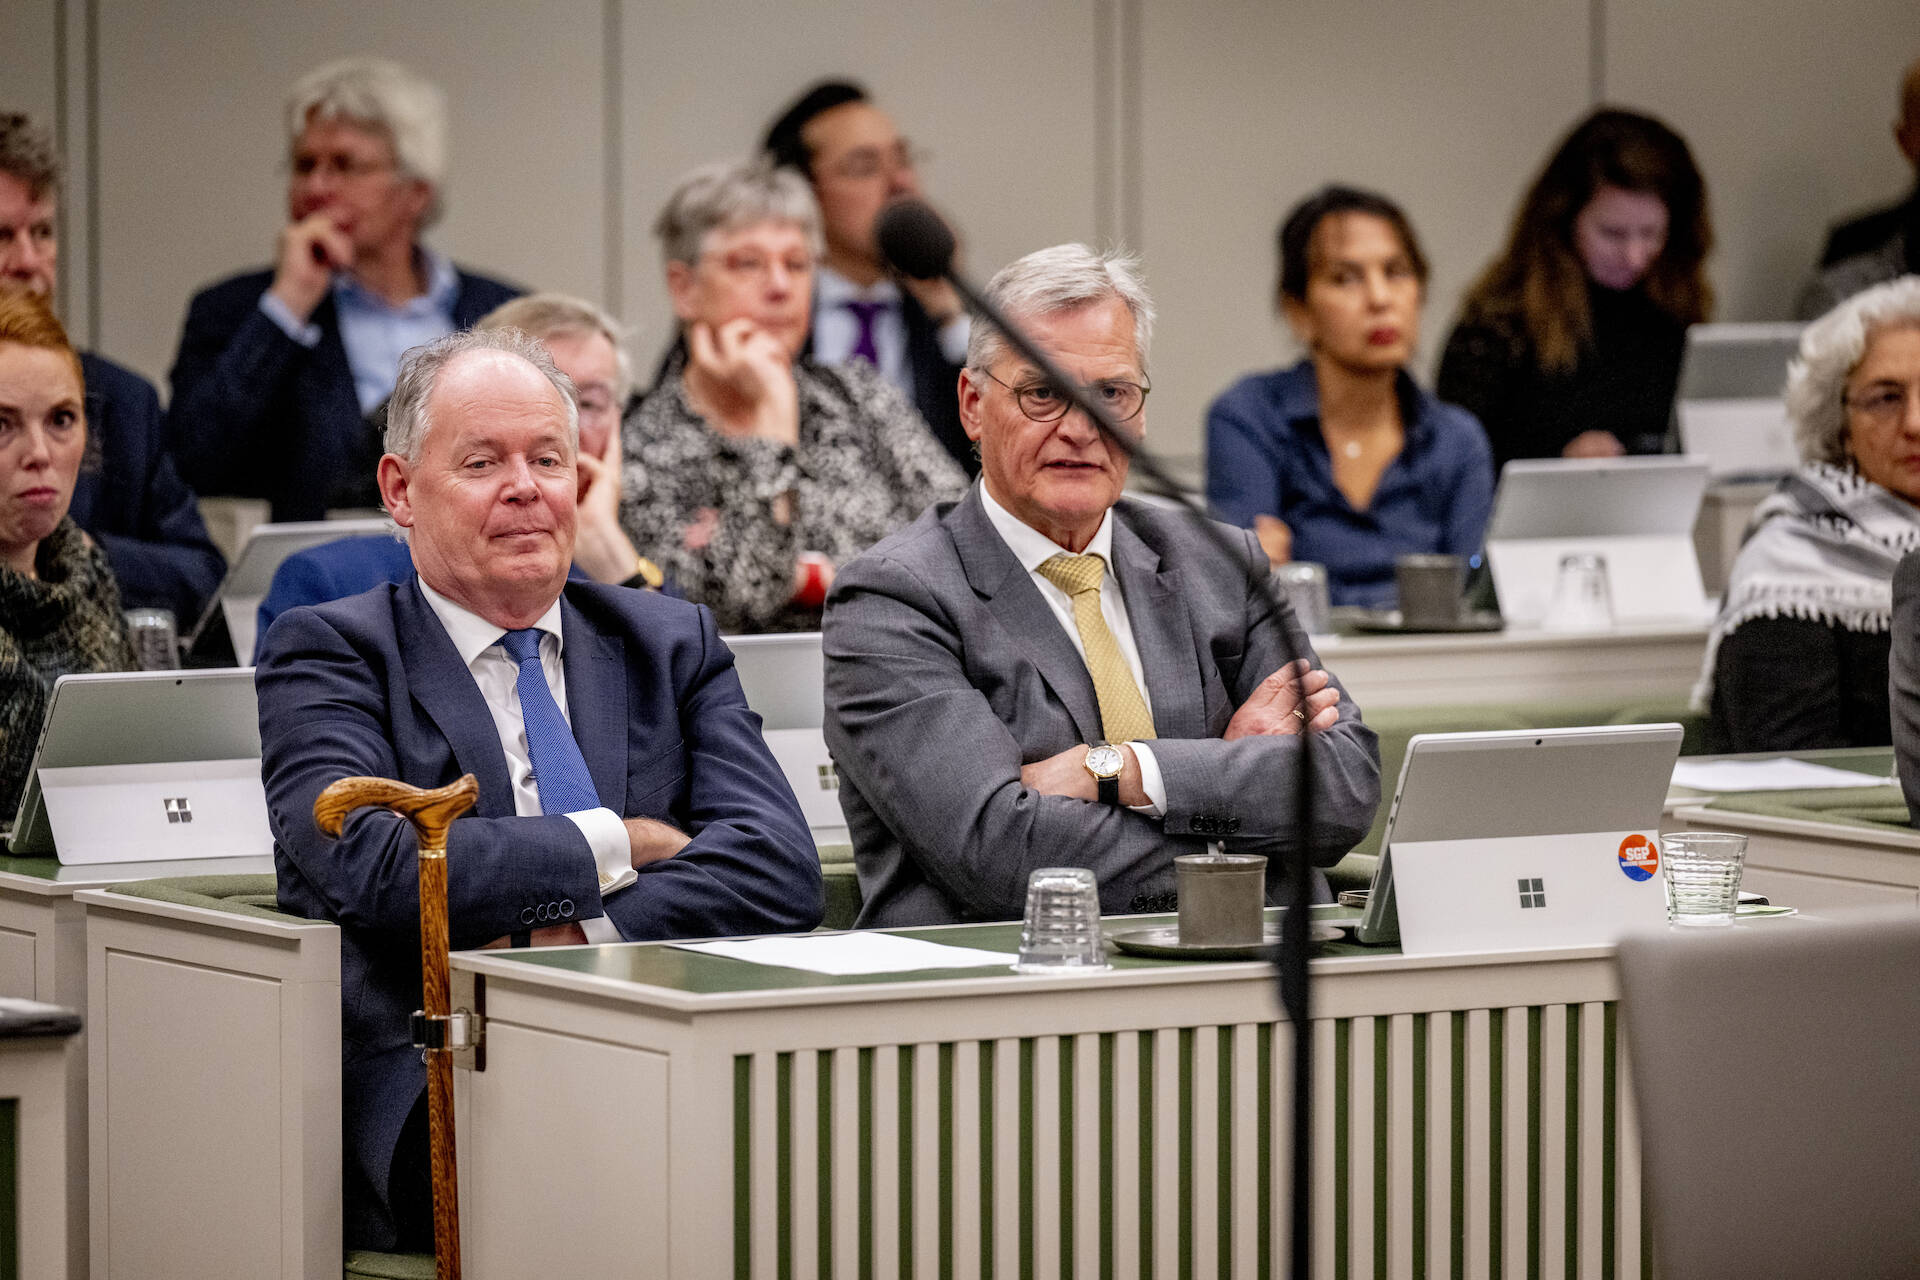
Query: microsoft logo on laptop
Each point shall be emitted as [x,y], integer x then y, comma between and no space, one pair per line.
[178,809]
[1533,893]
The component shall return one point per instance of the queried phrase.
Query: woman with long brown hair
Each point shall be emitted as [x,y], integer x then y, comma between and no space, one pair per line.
[1569,344]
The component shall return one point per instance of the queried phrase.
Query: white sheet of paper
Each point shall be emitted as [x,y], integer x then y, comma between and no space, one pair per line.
[844,954]
[1780,774]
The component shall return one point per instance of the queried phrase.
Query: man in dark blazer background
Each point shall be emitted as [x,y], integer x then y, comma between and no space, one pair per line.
[913,331]
[625,790]
[128,498]
[1043,674]
[278,369]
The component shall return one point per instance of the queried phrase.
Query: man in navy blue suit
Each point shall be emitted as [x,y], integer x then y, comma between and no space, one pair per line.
[278,369]
[129,498]
[625,790]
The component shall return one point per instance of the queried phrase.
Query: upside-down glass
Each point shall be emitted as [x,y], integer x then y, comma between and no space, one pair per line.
[1702,874]
[1061,930]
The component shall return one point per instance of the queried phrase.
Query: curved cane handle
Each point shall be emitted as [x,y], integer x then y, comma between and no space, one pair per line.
[430,812]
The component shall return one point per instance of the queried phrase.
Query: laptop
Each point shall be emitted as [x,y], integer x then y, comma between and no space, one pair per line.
[784,677]
[233,613]
[1636,514]
[1523,839]
[1731,408]
[146,766]
[1774,1068]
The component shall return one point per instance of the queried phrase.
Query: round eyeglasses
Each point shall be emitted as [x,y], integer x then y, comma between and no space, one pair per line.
[1044,402]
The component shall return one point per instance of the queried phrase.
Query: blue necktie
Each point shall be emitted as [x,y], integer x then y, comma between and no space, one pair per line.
[559,770]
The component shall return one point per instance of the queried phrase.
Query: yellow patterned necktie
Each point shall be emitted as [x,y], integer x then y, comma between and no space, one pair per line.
[1123,712]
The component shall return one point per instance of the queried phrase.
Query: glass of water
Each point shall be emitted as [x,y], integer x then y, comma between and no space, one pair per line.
[1061,930]
[1702,873]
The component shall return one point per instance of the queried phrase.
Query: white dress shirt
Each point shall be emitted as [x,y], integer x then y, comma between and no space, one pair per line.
[478,643]
[1033,549]
[835,331]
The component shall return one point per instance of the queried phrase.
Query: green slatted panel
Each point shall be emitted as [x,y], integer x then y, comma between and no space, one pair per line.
[1371,1160]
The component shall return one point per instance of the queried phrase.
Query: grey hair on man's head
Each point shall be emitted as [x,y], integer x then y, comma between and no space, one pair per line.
[560,315]
[729,196]
[408,419]
[1830,349]
[27,155]
[1063,278]
[384,96]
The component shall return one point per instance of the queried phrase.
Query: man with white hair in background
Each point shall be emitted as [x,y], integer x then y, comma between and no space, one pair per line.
[625,790]
[278,369]
[1044,674]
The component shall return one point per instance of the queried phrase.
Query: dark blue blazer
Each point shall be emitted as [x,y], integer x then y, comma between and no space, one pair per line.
[372,685]
[134,503]
[257,415]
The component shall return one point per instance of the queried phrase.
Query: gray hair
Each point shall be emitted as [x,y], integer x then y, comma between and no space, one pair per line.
[27,155]
[1065,277]
[1830,350]
[407,412]
[560,315]
[731,195]
[379,94]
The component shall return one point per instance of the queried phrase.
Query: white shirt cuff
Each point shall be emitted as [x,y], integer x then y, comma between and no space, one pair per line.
[1150,782]
[302,332]
[612,852]
[952,337]
[601,929]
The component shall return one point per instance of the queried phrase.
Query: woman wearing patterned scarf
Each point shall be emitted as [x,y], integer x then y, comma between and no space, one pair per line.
[59,608]
[1798,656]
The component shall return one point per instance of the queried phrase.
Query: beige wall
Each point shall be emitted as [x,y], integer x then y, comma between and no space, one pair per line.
[1184,127]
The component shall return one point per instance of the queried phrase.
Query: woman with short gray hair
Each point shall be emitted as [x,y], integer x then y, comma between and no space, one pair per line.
[753,472]
[1798,655]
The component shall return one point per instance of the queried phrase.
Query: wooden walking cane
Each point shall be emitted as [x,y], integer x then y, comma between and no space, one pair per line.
[430,813]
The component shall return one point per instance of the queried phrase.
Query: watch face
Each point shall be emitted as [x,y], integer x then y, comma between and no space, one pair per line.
[1104,761]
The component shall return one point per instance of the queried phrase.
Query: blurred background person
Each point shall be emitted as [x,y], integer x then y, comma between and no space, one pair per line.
[279,369]
[589,346]
[1882,244]
[1797,658]
[1569,344]
[1343,459]
[753,471]
[59,609]
[913,331]
[133,502]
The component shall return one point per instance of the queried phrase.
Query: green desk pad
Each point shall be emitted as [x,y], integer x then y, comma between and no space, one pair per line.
[696,973]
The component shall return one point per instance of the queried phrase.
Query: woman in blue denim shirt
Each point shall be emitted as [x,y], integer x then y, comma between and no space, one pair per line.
[1342,459]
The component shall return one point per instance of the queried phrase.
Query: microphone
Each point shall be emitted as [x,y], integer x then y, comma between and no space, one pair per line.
[918,244]
[914,240]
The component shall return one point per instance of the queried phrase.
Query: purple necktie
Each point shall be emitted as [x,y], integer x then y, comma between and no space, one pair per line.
[865,313]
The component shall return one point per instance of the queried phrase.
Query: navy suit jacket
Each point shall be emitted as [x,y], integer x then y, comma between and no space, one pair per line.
[373,685]
[257,415]
[134,503]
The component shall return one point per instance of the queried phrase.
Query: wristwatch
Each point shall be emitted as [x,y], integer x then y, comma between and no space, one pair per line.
[1104,762]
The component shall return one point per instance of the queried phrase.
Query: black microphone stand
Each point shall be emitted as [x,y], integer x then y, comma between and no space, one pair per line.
[918,244]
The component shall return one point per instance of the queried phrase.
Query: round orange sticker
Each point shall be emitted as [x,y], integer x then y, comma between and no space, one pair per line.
[1639,857]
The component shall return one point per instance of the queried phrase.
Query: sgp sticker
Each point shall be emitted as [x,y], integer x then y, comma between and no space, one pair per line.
[1639,858]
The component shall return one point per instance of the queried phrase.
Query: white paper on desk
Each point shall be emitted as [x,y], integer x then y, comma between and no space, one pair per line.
[1782,774]
[845,954]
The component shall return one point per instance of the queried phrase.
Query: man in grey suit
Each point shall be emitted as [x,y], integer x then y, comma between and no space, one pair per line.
[1042,674]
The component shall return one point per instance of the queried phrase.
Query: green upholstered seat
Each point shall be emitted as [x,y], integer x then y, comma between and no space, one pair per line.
[843,888]
[364,1264]
[1869,807]
[240,895]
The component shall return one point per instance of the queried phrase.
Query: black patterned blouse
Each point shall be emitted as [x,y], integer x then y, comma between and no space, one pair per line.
[701,504]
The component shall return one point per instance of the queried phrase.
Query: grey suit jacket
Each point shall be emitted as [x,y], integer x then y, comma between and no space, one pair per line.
[1903,679]
[946,672]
